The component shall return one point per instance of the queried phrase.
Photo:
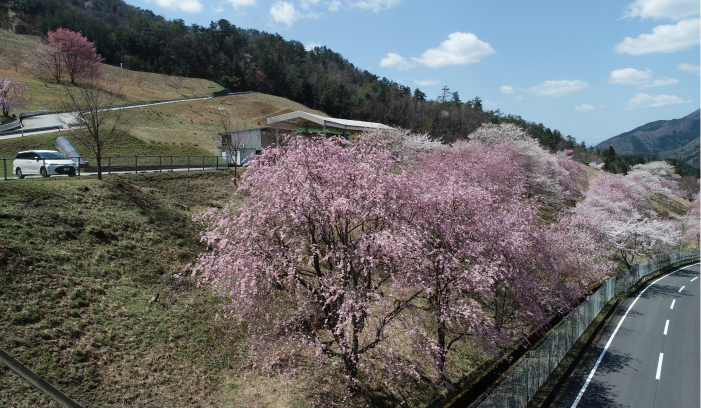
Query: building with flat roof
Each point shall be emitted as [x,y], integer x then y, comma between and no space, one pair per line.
[238,146]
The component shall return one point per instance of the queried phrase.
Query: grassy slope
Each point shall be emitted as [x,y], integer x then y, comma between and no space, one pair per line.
[184,128]
[196,123]
[80,265]
[43,92]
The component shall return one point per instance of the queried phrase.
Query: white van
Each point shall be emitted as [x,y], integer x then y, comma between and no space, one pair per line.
[44,162]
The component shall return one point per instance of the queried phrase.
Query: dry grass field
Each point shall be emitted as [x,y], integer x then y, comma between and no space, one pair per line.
[195,123]
[43,93]
[169,129]
[88,299]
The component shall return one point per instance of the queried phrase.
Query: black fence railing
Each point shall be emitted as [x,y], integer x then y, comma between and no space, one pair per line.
[115,165]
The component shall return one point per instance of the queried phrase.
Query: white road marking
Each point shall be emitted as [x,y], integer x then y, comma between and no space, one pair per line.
[666,326]
[694,278]
[608,343]
[687,267]
[673,300]
[659,367]
[680,290]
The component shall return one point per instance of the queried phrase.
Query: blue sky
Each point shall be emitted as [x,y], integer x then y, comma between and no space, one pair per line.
[591,69]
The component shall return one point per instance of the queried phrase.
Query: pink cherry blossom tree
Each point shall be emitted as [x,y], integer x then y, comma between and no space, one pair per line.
[12,95]
[692,233]
[403,144]
[382,257]
[478,252]
[308,258]
[622,210]
[65,53]
[554,180]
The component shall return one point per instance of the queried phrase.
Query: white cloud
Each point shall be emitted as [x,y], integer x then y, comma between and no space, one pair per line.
[694,69]
[643,100]
[335,5]
[188,6]
[375,5]
[218,9]
[584,107]
[237,4]
[311,45]
[285,12]
[305,4]
[558,88]
[663,9]
[458,49]
[641,79]
[393,60]
[664,38]
[630,76]
[427,82]
[507,89]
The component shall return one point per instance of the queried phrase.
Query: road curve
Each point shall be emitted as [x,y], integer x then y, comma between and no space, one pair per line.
[56,121]
[649,354]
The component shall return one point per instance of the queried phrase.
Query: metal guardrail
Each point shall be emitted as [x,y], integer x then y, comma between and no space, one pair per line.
[517,390]
[28,132]
[137,164]
[37,381]
[18,122]
[11,125]
[29,114]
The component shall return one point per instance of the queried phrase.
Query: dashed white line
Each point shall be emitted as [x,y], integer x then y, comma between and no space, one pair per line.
[603,352]
[694,279]
[666,326]
[608,343]
[659,367]
[680,290]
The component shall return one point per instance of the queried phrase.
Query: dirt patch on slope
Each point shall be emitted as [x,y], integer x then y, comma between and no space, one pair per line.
[252,110]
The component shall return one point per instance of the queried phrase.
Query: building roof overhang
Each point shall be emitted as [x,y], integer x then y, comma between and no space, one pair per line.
[346,124]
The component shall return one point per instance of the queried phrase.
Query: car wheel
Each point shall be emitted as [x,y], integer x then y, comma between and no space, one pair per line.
[19,174]
[43,172]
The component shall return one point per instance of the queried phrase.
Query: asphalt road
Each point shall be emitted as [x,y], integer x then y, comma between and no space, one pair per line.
[652,356]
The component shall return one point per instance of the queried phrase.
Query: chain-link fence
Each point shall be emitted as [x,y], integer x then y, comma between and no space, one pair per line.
[524,382]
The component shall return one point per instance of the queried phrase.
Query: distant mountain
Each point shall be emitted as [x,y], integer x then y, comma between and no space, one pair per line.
[671,139]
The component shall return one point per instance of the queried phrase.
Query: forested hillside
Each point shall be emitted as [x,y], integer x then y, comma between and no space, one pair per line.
[244,59]
[673,139]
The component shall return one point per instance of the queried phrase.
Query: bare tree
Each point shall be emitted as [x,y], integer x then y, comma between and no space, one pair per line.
[175,82]
[14,59]
[139,77]
[45,59]
[191,85]
[95,106]
[231,141]
[157,79]
[688,186]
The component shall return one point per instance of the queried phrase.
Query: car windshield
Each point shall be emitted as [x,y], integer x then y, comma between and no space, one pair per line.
[51,155]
